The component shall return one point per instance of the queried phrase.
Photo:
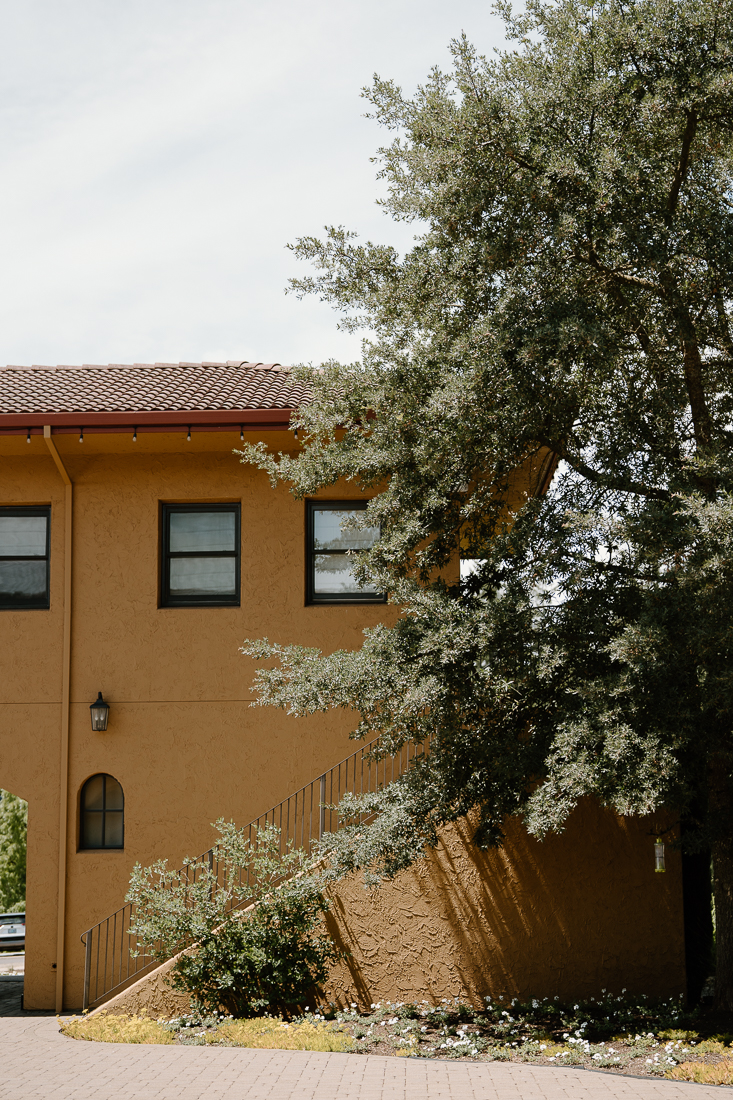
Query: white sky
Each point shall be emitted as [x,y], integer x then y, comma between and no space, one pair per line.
[156,156]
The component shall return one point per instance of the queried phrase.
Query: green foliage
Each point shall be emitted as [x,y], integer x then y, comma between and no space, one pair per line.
[538,1031]
[567,301]
[590,1018]
[271,958]
[13,845]
[271,955]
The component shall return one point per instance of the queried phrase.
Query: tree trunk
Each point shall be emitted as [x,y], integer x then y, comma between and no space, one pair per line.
[721,820]
[696,899]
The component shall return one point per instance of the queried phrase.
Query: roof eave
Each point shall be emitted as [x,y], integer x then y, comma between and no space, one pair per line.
[272,419]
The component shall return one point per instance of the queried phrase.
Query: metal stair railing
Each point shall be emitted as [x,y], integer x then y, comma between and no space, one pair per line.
[114,957]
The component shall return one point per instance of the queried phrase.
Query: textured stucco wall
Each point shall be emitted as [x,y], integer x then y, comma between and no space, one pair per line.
[187,748]
[151,996]
[182,738]
[571,916]
[574,914]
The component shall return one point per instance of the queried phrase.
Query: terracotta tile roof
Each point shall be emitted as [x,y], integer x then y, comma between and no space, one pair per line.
[148,388]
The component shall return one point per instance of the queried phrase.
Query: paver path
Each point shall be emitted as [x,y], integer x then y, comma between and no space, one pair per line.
[37,1063]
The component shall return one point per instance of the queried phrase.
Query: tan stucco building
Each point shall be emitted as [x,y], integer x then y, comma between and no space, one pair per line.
[136,554]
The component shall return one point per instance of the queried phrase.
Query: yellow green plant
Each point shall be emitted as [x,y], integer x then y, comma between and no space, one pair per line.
[103,1028]
[673,1033]
[272,1033]
[711,1046]
[719,1074]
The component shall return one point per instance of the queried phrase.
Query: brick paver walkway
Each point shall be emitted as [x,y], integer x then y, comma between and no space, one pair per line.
[37,1063]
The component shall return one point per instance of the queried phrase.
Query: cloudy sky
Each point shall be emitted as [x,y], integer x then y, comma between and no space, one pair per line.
[158,155]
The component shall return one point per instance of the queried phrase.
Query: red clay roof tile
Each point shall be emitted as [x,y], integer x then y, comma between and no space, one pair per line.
[148,388]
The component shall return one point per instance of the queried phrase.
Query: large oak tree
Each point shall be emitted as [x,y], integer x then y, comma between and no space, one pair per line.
[570,292]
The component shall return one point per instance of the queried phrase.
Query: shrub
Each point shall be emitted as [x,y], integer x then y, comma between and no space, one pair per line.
[270,956]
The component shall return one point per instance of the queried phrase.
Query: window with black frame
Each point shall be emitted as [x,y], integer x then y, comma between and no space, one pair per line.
[102,813]
[24,558]
[200,555]
[330,566]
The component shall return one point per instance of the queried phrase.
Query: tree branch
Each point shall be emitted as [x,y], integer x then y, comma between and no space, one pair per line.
[692,360]
[623,485]
[625,571]
[591,257]
[680,174]
[723,325]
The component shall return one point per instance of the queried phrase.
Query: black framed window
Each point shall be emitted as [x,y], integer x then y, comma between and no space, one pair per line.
[201,555]
[24,558]
[330,567]
[102,813]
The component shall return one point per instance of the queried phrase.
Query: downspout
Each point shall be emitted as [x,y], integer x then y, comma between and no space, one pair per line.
[65,714]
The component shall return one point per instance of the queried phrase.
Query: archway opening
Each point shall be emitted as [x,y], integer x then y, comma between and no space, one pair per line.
[13,850]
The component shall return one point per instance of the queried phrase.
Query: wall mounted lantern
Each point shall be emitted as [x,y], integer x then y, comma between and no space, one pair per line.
[100,713]
[659,855]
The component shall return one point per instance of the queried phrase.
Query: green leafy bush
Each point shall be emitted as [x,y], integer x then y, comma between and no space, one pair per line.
[269,956]
[13,842]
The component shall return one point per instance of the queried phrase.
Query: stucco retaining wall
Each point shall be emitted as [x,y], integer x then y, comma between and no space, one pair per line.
[567,917]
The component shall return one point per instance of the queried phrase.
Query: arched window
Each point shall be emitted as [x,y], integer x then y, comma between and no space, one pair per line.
[102,813]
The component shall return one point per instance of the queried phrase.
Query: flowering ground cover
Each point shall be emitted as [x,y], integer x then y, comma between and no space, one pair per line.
[619,1034]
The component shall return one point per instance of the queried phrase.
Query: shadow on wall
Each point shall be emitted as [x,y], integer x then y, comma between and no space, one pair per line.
[569,916]
[573,915]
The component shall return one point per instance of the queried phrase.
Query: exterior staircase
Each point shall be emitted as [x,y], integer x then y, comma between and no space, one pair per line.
[115,958]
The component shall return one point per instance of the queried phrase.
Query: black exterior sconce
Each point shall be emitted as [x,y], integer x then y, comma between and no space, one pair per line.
[100,713]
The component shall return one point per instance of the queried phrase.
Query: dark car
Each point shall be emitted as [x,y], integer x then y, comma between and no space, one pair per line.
[12,931]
